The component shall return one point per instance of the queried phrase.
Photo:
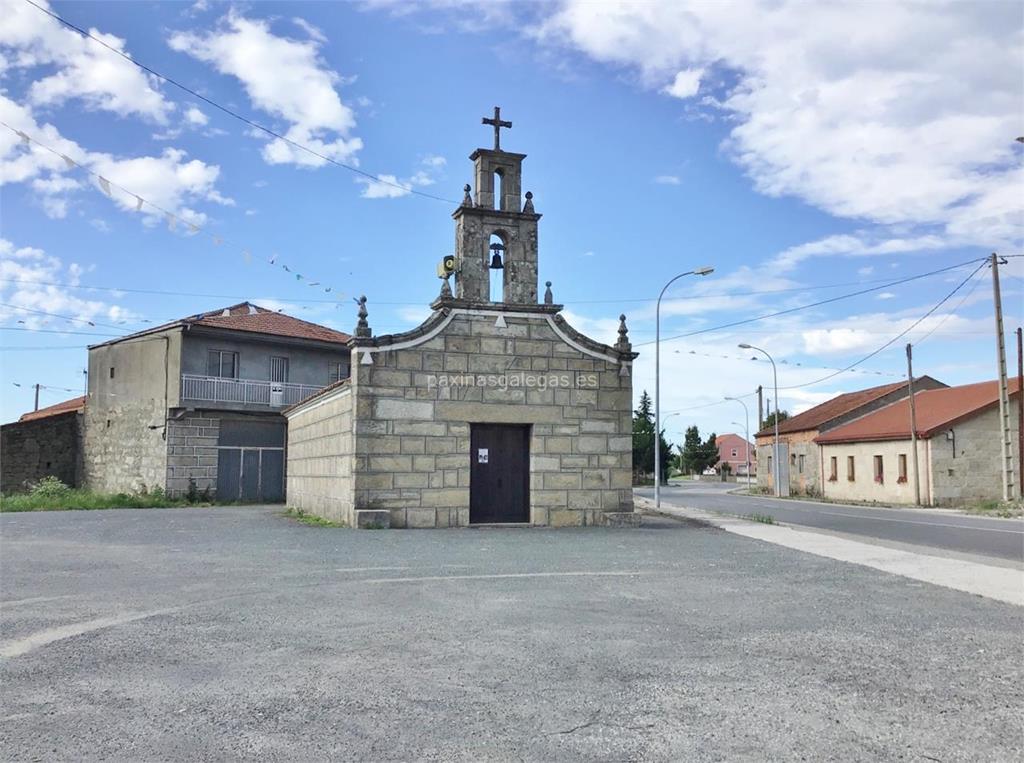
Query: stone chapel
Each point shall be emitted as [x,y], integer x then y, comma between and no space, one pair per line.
[493,411]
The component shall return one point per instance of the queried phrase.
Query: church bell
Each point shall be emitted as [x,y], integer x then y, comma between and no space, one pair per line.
[496,263]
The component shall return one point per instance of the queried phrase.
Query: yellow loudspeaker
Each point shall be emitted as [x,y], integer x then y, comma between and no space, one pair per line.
[446,266]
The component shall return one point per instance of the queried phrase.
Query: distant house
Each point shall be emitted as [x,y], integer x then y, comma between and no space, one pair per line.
[734,451]
[43,443]
[959,455]
[196,403]
[799,466]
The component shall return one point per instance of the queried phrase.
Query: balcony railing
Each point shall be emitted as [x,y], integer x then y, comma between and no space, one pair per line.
[213,389]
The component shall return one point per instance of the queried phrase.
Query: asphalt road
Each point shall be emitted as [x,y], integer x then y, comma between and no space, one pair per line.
[1002,538]
[234,633]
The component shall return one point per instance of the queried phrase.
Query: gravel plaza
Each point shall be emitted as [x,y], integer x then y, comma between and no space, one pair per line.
[239,633]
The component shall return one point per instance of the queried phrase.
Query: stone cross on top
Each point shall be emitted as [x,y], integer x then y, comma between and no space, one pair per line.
[498,124]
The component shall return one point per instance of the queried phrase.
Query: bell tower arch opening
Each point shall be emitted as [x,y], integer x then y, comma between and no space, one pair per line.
[499,199]
[496,249]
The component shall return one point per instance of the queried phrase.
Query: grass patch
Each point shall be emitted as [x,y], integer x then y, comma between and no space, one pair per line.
[311,519]
[50,494]
[764,519]
[87,500]
[1008,510]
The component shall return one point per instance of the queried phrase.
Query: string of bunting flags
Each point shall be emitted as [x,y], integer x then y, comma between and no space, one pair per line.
[174,221]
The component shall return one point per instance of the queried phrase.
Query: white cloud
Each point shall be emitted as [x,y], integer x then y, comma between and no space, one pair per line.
[387,187]
[861,245]
[391,187]
[844,105]
[170,180]
[27,278]
[285,78]
[196,117]
[864,333]
[667,180]
[79,68]
[885,295]
[313,32]
[685,85]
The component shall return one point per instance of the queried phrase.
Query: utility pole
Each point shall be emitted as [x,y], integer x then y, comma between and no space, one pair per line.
[37,397]
[760,407]
[913,425]
[1004,400]
[1020,405]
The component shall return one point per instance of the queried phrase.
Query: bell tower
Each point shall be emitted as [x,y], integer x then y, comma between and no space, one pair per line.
[496,209]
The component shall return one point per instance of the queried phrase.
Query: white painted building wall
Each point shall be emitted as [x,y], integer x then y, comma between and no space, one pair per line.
[864,487]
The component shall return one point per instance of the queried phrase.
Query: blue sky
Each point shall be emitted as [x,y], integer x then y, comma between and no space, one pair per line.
[803,152]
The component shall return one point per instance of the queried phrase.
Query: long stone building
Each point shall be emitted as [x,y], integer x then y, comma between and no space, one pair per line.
[494,410]
[799,456]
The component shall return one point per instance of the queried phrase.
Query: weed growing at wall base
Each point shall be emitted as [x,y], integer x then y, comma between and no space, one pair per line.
[310,519]
[50,494]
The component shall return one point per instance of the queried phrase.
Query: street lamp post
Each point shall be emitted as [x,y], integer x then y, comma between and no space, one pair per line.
[657,435]
[775,382]
[702,271]
[746,433]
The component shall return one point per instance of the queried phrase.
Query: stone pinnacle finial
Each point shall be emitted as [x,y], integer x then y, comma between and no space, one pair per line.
[362,326]
[446,289]
[623,345]
[549,298]
[467,200]
[528,206]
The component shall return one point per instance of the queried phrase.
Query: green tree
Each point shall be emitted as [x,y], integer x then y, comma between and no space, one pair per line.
[697,455]
[643,440]
[769,422]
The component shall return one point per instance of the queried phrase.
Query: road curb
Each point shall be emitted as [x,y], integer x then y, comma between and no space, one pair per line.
[991,582]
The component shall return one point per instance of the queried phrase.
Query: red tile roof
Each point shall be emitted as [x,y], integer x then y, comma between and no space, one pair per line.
[259,320]
[253,319]
[814,417]
[68,406]
[936,411]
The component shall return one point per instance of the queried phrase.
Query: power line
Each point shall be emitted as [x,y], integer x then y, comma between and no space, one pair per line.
[235,114]
[953,311]
[869,355]
[903,333]
[812,304]
[793,289]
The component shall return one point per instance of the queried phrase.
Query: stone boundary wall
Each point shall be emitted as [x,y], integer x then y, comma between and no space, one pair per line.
[319,472]
[412,436]
[31,450]
[192,454]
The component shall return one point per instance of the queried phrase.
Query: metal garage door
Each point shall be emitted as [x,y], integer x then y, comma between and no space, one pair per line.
[250,465]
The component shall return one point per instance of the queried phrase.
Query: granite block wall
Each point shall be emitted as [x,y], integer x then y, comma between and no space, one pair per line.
[31,450]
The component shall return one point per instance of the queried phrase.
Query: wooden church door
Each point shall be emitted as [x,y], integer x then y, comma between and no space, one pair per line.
[499,475]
